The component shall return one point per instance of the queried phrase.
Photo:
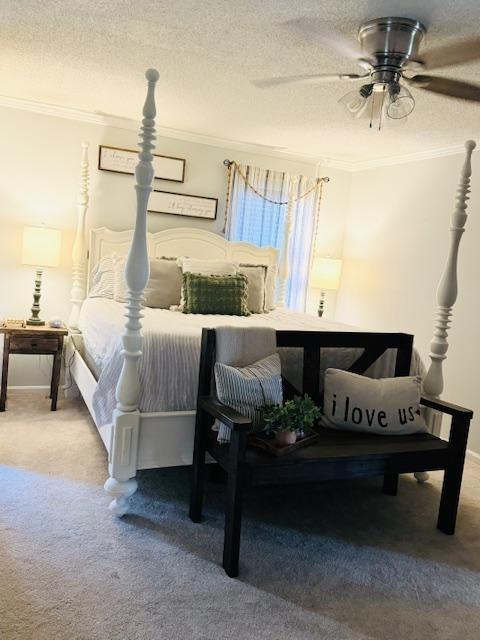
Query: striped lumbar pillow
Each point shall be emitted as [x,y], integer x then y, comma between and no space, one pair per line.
[102,279]
[248,389]
[216,294]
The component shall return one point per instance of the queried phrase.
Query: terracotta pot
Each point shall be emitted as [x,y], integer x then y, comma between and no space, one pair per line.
[284,438]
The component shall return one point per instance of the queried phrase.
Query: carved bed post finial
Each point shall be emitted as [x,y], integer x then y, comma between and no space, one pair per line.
[447,288]
[79,258]
[126,419]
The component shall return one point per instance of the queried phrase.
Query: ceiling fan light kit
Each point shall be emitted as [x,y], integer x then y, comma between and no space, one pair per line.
[389,48]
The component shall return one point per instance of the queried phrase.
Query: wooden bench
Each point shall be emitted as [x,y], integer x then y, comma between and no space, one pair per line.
[336,454]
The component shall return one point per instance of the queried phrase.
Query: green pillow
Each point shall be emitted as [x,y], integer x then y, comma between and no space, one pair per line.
[222,294]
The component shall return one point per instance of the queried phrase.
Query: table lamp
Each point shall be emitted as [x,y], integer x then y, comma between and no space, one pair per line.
[41,248]
[325,275]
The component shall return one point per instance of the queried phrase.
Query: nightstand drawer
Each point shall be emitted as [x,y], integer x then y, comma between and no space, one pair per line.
[33,344]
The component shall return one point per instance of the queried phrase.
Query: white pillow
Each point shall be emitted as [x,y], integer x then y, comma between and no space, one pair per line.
[102,278]
[387,406]
[207,267]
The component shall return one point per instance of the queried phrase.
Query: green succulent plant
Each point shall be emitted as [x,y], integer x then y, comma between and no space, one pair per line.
[298,414]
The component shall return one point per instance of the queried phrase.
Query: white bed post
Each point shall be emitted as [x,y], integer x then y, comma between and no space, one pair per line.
[79,258]
[446,297]
[126,418]
[447,288]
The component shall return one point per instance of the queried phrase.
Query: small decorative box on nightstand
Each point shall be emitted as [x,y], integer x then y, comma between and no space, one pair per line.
[42,340]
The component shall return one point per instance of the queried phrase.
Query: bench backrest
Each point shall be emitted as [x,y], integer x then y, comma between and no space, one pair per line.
[374,345]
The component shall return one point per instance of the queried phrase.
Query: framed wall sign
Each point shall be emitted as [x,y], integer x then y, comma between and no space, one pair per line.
[119,160]
[181,204]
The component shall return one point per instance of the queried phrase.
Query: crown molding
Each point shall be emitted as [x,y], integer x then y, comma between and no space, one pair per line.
[108,120]
[336,163]
[438,152]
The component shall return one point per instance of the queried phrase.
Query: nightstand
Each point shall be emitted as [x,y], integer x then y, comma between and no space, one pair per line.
[30,340]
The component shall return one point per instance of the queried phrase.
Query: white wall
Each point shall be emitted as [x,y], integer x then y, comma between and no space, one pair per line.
[394,221]
[396,243]
[39,184]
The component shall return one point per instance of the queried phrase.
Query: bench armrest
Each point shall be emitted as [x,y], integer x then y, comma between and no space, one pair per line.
[445,407]
[225,414]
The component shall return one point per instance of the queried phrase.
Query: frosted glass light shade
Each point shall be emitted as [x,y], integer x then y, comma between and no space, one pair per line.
[41,246]
[401,104]
[326,273]
[354,103]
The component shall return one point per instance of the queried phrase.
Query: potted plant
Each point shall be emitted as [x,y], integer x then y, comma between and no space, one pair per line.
[291,418]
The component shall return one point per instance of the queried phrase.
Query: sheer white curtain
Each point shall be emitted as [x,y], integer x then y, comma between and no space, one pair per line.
[266,220]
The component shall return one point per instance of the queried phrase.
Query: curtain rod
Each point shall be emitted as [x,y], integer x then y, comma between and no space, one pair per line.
[228,163]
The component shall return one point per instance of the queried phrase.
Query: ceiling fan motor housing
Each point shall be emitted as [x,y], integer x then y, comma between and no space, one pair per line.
[391,42]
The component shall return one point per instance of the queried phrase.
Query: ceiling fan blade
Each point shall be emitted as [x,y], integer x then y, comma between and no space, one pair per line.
[459,53]
[446,87]
[315,78]
[311,28]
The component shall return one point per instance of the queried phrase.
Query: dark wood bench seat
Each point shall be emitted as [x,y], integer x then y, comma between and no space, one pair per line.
[336,454]
[360,455]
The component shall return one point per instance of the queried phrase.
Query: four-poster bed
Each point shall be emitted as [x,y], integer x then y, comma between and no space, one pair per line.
[137,439]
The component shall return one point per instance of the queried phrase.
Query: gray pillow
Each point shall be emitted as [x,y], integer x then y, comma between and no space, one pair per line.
[387,406]
[270,287]
[256,286]
[247,389]
[164,287]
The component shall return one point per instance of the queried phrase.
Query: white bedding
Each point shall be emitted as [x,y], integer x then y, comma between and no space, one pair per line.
[171,352]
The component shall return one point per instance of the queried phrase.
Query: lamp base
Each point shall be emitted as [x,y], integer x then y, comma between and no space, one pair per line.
[321,304]
[35,322]
[34,319]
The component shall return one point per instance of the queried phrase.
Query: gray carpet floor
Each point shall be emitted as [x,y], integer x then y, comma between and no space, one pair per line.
[339,561]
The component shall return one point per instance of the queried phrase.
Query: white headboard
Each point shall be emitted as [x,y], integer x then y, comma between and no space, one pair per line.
[194,243]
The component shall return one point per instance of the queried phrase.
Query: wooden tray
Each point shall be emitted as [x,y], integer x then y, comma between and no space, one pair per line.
[268,444]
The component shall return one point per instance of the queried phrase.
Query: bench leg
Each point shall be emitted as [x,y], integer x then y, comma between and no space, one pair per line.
[452,479]
[233,512]
[447,515]
[198,468]
[390,484]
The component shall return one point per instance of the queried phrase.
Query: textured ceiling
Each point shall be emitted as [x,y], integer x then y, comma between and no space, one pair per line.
[91,55]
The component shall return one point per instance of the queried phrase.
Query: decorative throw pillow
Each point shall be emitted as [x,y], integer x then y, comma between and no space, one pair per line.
[164,287]
[247,389]
[217,294]
[256,286]
[387,406]
[120,289]
[270,287]
[102,278]
[207,267]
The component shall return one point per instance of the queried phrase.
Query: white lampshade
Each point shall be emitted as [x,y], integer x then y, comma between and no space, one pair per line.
[326,273]
[41,246]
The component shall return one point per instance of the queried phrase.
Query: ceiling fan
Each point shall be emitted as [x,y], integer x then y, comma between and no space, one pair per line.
[390,59]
